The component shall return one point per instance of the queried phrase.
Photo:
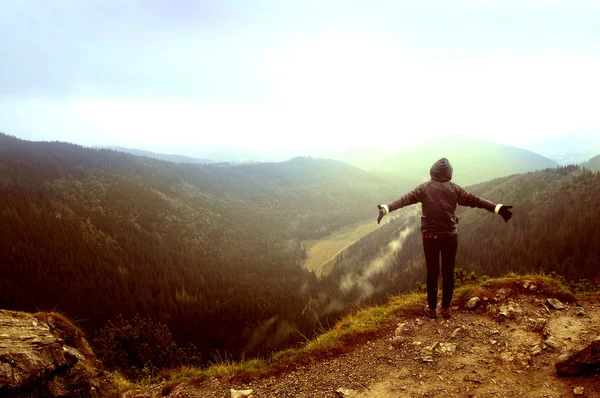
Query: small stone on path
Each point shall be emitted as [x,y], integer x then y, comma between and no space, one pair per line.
[556,304]
[346,392]
[510,311]
[240,393]
[553,342]
[473,303]
[539,324]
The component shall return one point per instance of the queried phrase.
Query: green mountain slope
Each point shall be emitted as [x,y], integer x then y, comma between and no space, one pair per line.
[209,250]
[554,228]
[473,160]
[593,163]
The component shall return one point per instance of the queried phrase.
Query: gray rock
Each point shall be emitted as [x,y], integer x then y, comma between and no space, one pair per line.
[456,331]
[510,311]
[400,329]
[240,393]
[507,356]
[427,352]
[536,350]
[580,311]
[502,294]
[556,304]
[346,392]
[446,348]
[35,360]
[473,303]
[492,310]
[532,287]
[539,324]
[397,341]
[552,342]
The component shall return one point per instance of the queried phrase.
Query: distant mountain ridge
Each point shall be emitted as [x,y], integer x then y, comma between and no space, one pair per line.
[571,149]
[473,160]
[161,156]
[593,163]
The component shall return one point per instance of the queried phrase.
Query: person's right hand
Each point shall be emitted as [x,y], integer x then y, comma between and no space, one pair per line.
[383,210]
[505,212]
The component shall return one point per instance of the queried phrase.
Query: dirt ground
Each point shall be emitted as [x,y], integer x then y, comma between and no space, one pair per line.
[477,353]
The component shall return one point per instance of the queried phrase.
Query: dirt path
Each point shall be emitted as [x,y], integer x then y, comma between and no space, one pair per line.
[473,354]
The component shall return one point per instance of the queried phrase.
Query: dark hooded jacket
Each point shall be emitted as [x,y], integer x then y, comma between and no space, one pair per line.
[439,197]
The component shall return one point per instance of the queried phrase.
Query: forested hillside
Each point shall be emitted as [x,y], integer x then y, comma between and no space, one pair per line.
[554,228]
[593,163]
[209,250]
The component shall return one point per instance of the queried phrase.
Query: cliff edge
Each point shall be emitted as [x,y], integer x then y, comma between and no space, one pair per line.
[45,355]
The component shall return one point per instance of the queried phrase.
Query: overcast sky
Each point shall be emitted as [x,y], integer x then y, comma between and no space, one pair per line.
[175,76]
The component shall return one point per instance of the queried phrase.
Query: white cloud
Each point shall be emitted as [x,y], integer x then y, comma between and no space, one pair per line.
[297,78]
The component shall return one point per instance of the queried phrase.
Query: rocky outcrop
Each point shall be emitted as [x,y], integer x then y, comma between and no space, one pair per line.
[44,355]
[584,361]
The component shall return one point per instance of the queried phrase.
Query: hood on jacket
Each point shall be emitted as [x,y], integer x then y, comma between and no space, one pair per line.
[441,170]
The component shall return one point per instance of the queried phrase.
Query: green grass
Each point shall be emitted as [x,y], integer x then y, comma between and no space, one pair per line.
[348,331]
[321,253]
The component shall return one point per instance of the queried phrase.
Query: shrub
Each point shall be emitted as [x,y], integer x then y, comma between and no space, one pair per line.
[139,347]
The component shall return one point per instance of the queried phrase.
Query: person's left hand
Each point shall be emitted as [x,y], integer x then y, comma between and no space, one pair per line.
[383,210]
[505,212]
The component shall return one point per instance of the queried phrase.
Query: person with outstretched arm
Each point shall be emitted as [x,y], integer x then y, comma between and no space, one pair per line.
[439,197]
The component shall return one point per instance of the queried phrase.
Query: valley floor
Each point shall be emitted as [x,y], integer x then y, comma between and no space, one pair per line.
[474,354]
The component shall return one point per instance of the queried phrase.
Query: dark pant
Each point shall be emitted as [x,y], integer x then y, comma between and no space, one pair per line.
[446,245]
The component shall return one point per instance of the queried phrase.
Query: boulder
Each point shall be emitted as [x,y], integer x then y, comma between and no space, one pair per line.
[584,361]
[45,355]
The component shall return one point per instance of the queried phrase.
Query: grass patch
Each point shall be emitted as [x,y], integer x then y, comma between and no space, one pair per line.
[363,321]
[122,384]
[544,284]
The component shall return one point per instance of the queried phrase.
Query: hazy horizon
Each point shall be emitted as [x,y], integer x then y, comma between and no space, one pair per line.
[181,77]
